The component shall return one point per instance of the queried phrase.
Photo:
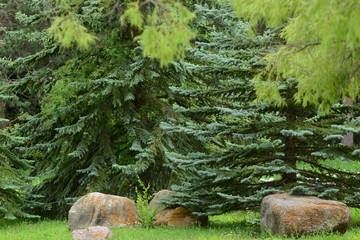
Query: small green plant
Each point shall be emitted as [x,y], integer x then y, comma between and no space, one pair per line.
[252,220]
[146,213]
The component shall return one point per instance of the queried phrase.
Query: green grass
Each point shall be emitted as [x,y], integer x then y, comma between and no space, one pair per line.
[34,230]
[350,166]
[230,226]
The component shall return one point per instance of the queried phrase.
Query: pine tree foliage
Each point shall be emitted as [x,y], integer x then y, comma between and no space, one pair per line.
[252,149]
[96,124]
[14,182]
[100,141]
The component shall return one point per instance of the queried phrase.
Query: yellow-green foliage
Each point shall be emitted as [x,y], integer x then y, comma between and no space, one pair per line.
[321,50]
[134,15]
[166,33]
[68,31]
[268,90]
[164,25]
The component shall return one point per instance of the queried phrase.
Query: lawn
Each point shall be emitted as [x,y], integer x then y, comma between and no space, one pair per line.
[236,225]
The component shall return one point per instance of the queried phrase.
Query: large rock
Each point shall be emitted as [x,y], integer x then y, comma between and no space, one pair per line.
[92,233]
[174,217]
[290,215]
[155,204]
[97,209]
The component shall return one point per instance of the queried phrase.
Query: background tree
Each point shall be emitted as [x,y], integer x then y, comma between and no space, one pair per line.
[15,183]
[96,124]
[252,149]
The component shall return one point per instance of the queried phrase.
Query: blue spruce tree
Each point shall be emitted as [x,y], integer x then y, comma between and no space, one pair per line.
[243,149]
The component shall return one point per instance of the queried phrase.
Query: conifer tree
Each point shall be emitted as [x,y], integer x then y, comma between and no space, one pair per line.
[15,183]
[95,126]
[252,149]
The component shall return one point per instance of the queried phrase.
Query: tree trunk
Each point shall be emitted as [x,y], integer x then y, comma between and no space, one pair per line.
[290,152]
[348,139]
[2,113]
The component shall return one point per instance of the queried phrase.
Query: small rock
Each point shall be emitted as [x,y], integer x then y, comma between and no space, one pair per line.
[92,233]
[291,215]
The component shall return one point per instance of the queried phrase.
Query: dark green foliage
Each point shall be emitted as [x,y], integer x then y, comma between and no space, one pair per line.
[96,127]
[101,132]
[252,149]
[14,182]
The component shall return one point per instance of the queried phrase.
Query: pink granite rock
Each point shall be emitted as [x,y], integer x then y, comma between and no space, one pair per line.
[97,209]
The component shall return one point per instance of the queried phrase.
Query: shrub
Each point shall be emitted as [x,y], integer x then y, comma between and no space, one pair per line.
[146,214]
